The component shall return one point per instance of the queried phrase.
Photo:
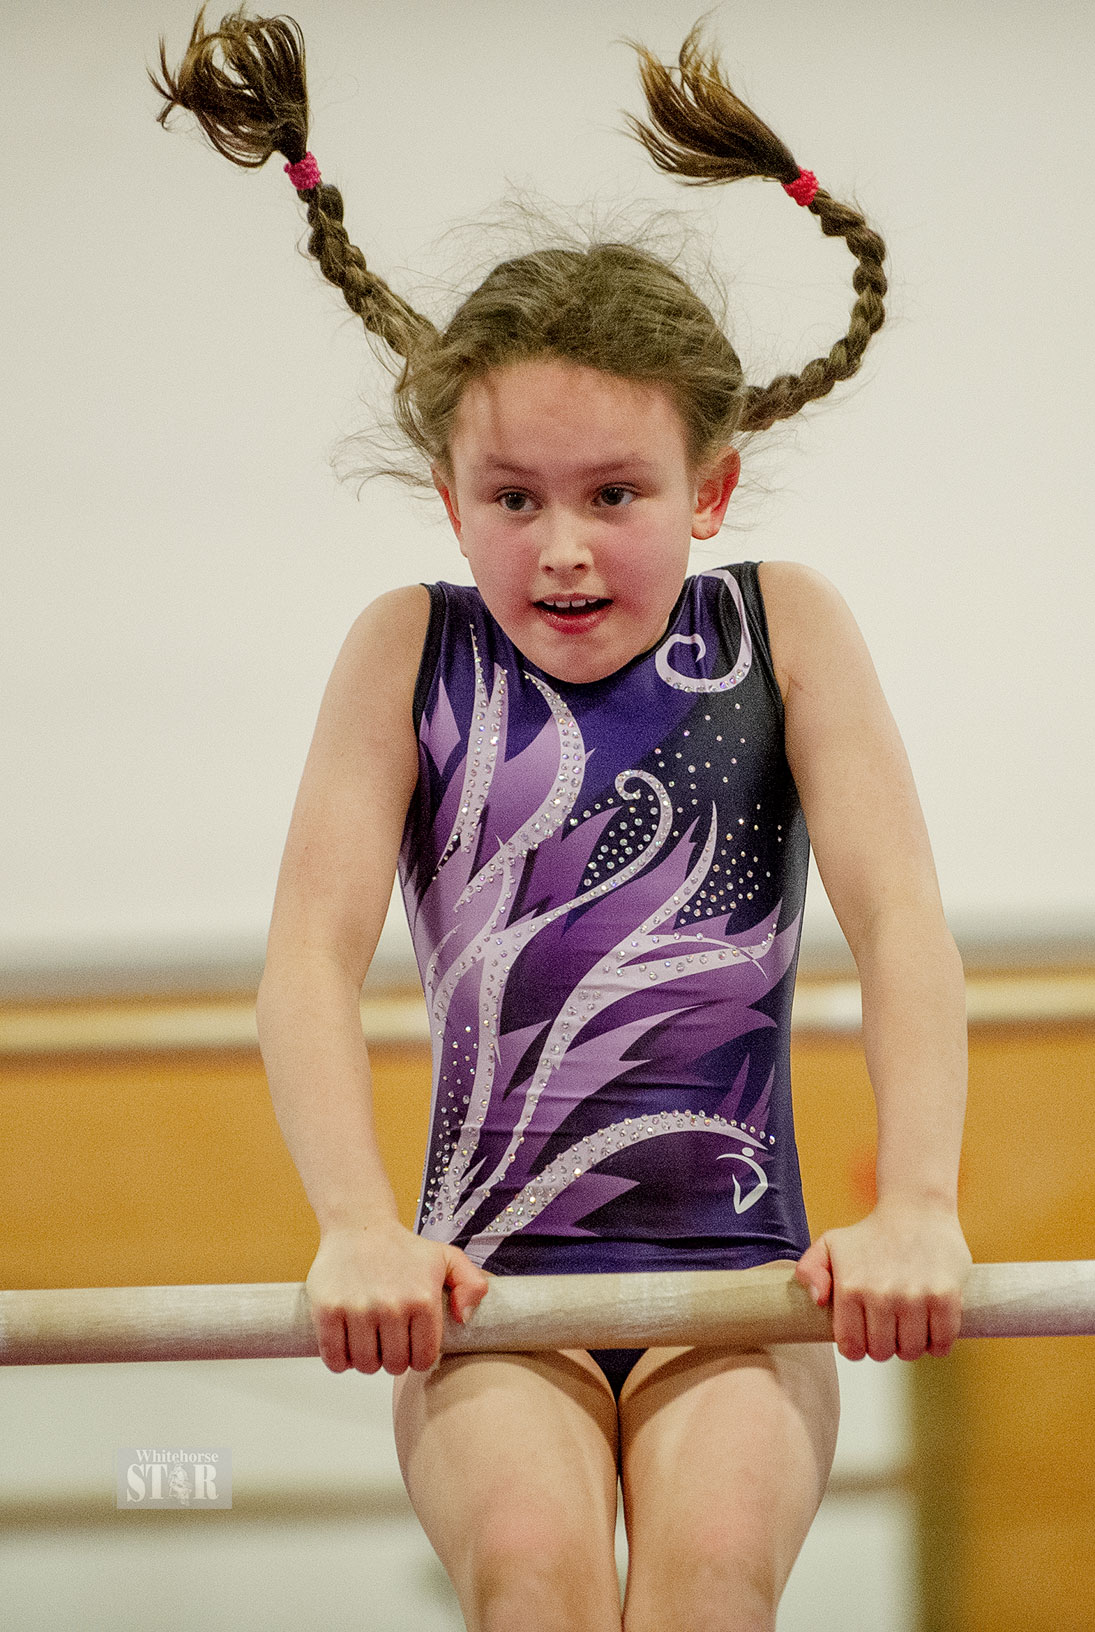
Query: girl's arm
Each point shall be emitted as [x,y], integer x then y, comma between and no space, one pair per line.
[896,1277]
[375,1288]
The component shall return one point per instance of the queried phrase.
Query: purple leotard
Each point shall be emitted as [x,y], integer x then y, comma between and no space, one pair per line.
[604,884]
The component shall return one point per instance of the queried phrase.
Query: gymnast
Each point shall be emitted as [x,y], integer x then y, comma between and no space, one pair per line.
[594,774]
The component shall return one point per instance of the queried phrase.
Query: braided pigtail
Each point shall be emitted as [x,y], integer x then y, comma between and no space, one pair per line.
[245,84]
[703,133]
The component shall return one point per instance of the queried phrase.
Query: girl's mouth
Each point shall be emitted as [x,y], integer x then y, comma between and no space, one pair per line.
[573,611]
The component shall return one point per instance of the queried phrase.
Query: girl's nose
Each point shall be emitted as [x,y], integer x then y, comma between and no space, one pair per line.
[565,544]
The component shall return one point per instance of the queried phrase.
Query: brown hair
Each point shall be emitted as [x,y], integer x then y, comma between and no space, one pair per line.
[611,306]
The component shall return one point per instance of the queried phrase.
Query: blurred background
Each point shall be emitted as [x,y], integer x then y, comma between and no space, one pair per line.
[180,565]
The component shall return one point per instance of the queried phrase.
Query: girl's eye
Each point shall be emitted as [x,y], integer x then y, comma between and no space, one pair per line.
[515,503]
[615,497]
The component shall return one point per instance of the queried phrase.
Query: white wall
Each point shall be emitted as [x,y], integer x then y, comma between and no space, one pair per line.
[179,564]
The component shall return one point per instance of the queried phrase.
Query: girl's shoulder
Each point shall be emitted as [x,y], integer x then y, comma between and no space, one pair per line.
[391,629]
[790,584]
[377,667]
[395,616]
[807,618]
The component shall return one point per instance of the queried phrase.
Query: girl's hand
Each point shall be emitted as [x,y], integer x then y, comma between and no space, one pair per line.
[895,1280]
[377,1297]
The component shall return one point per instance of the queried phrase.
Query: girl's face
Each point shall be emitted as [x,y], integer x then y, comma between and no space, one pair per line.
[575,502]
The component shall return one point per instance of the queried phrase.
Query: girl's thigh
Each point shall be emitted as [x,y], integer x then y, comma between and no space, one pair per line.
[510,1464]
[724,1460]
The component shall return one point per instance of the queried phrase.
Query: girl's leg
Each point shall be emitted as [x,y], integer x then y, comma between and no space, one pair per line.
[510,1462]
[724,1460]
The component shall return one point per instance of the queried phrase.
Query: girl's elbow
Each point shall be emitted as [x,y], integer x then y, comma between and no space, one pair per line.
[907,924]
[293,969]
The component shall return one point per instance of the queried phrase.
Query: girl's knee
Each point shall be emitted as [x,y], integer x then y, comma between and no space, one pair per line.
[526,1533]
[532,1565]
[705,1584]
[737,1615]
[699,1609]
[529,1539]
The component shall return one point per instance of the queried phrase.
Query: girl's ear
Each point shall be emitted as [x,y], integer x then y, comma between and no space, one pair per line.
[444,486]
[714,487]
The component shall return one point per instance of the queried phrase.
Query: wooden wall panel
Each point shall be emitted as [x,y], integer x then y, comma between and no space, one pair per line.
[169,1168]
[1006,1430]
[1023,1555]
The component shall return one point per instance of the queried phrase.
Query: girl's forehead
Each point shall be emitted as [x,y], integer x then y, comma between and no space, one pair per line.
[548,401]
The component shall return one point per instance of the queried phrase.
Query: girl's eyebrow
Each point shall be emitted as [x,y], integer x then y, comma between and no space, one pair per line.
[635,464]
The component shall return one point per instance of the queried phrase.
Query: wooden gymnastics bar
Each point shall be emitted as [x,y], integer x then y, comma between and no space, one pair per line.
[722,1308]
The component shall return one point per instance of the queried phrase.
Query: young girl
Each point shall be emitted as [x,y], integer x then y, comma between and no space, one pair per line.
[595,776]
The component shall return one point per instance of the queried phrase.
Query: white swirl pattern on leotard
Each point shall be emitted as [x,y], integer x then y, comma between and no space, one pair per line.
[703,683]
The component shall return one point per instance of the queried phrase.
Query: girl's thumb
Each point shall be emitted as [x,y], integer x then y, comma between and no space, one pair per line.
[468,1285]
[814,1271]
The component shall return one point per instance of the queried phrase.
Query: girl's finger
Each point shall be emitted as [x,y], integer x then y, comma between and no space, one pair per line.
[944,1319]
[881,1326]
[467,1284]
[912,1331]
[425,1338]
[393,1335]
[362,1343]
[330,1330]
[849,1326]
[813,1271]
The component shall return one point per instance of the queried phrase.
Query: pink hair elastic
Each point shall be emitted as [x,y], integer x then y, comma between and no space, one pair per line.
[305,174]
[803,188]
